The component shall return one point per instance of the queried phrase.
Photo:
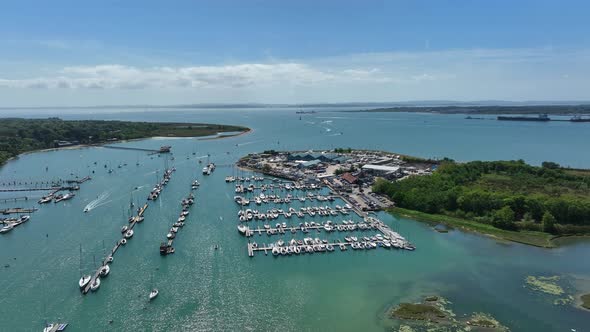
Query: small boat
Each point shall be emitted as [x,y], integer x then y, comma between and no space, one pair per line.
[242,229]
[86,210]
[123,241]
[110,259]
[55,327]
[46,199]
[129,234]
[104,270]
[170,235]
[154,293]
[6,228]
[275,251]
[84,280]
[124,229]
[95,285]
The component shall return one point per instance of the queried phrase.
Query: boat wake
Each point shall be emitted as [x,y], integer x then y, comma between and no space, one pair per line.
[248,143]
[100,200]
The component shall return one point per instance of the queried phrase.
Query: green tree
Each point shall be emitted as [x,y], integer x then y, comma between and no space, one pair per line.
[548,222]
[504,218]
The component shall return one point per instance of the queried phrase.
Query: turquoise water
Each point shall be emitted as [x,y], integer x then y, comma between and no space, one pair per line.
[224,290]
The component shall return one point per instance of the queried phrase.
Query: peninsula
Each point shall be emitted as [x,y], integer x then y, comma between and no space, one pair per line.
[19,135]
[510,200]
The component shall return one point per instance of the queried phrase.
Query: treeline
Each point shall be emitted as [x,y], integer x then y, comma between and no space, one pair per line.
[22,135]
[507,194]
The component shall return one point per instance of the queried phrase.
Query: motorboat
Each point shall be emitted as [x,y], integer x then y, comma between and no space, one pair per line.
[124,229]
[95,285]
[242,229]
[123,241]
[46,199]
[55,327]
[154,293]
[129,234]
[84,280]
[64,197]
[6,228]
[170,235]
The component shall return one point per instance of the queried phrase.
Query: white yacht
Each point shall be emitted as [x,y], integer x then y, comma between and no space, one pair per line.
[104,270]
[84,280]
[242,229]
[154,293]
[6,228]
[95,285]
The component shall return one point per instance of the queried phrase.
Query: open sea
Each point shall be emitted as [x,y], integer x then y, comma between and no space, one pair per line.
[203,289]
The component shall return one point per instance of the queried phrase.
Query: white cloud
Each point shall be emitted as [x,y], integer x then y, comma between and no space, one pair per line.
[470,74]
[242,75]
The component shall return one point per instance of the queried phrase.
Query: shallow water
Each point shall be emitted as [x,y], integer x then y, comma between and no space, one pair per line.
[224,290]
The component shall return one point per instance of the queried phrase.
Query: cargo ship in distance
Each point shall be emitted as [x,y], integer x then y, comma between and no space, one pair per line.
[541,117]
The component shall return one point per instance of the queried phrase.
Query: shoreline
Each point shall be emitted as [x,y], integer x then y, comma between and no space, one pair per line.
[98,145]
[250,130]
[531,238]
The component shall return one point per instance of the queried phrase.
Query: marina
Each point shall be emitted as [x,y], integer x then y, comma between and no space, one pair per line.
[385,238]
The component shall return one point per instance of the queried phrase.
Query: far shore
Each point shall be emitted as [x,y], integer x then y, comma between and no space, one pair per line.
[97,145]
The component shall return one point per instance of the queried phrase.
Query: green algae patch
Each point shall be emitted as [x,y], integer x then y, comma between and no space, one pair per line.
[585,301]
[480,319]
[434,314]
[405,328]
[418,311]
[546,285]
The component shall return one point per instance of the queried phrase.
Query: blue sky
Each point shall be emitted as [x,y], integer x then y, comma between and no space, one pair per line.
[175,52]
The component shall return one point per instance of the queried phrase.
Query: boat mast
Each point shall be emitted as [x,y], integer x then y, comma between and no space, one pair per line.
[80,260]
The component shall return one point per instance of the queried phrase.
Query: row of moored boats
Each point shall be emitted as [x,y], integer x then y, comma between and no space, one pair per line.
[157,190]
[165,247]
[279,186]
[322,211]
[56,198]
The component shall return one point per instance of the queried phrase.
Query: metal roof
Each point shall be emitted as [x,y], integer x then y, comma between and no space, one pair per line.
[381,168]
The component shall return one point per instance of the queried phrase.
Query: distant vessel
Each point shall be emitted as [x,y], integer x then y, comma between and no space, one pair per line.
[579,118]
[541,117]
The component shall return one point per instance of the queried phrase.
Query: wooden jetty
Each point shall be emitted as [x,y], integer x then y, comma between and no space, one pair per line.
[18,210]
[163,149]
[8,190]
[14,199]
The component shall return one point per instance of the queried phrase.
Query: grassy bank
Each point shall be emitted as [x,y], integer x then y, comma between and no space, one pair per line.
[586,301]
[25,135]
[538,239]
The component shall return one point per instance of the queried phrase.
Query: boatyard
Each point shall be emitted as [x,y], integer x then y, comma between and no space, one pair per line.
[322,179]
